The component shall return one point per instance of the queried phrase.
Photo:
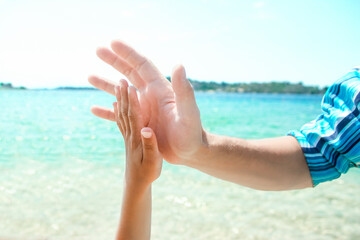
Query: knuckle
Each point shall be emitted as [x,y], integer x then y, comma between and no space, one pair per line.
[141,64]
[128,72]
[148,147]
[124,112]
[132,117]
[115,62]
[129,54]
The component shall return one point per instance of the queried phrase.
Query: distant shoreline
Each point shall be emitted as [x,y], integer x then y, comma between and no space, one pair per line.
[9,86]
[274,87]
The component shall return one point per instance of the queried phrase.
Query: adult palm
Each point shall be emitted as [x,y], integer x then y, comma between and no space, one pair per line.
[168,108]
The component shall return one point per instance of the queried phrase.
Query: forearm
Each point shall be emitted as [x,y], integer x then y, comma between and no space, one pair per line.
[266,164]
[135,217]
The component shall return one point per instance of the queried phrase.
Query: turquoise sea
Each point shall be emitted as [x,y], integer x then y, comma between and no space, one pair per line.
[61,172]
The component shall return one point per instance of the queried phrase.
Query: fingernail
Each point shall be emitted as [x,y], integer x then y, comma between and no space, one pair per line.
[146,133]
[116,91]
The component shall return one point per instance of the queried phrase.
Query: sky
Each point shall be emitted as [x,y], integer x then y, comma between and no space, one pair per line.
[53,43]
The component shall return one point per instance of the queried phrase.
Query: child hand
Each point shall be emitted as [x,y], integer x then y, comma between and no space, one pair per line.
[143,159]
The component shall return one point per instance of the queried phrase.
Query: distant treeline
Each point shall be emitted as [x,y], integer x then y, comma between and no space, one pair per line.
[75,88]
[254,87]
[10,86]
[269,87]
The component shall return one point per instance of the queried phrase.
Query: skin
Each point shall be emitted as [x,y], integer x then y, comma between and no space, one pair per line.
[170,109]
[143,165]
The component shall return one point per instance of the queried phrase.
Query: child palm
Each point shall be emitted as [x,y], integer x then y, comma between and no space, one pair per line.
[143,159]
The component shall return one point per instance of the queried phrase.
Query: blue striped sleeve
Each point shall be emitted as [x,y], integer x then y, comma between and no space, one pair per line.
[331,142]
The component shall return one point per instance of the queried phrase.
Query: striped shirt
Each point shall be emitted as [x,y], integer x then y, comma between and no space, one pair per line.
[331,142]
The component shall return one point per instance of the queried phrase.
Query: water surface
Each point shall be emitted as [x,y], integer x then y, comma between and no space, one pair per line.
[61,173]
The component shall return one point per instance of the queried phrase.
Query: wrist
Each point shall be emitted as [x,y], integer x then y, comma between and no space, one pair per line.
[136,186]
[135,194]
[202,151]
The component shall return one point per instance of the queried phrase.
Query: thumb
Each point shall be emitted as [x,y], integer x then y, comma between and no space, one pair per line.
[149,144]
[184,92]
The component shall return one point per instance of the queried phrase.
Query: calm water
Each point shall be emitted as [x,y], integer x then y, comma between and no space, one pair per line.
[61,173]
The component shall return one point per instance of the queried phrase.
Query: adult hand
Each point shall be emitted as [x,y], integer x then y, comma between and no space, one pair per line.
[171,111]
[168,108]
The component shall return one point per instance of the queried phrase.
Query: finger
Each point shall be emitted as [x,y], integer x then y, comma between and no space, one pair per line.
[103,112]
[102,84]
[118,121]
[147,71]
[145,106]
[135,117]
[118,117]
[151,153]
[124,104]
[184,93]
[122,66]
